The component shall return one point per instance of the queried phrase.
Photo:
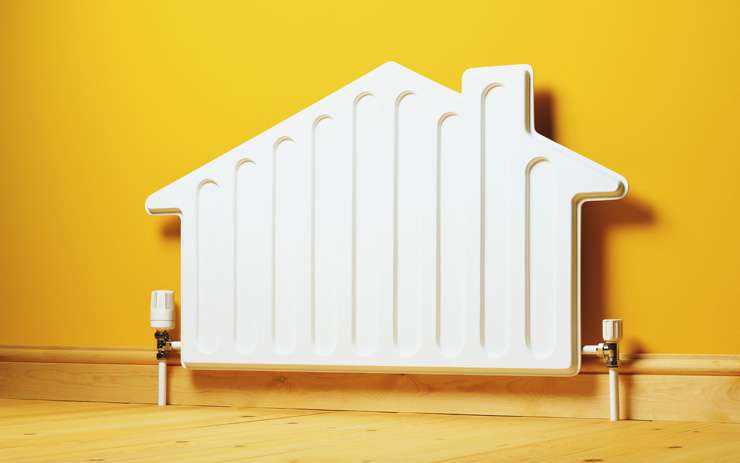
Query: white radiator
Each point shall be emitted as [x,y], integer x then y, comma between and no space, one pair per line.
[395,225]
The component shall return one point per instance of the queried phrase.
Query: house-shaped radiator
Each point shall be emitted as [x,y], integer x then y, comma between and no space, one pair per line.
[395,225]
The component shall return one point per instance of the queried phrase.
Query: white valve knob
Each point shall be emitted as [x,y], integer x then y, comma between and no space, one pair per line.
[162,313]
[611,330]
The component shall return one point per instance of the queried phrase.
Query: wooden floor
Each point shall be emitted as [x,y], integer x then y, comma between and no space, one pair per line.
[33,431]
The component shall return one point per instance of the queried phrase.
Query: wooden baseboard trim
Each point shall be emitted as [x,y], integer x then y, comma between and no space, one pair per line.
[658,387]
[644,364]
[58,354]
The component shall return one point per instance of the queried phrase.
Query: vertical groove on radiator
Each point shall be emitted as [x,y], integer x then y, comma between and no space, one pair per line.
[415,230]
[354,215]
[236,320]
[528,250]
[332,216]
[438,243]
[498,244]
[252,254]
[396,106]
[456,244]
[198,308]
[292,249]
[374,225]
[235,257]
[273,268]
[312,230]
[482,309]
[212,284]
[396,136]
[539,257]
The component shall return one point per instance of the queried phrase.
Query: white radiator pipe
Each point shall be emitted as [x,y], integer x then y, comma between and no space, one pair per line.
[591,350]
[162,373]
[162,382]
[162,318]
[608,350]
[613,394]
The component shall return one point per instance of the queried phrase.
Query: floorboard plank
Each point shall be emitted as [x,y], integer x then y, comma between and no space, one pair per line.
[48,431]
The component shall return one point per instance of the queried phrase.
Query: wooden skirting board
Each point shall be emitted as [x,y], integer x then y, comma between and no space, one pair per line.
[654,386]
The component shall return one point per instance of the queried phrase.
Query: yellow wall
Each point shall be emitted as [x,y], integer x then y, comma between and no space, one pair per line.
[102,103]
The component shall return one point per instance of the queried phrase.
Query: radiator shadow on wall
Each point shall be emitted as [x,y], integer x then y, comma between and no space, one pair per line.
[544,110]
[598,220]
[170,227]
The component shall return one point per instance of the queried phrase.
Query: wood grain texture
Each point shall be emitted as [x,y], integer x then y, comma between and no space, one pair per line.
[32,433]
[644,397]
